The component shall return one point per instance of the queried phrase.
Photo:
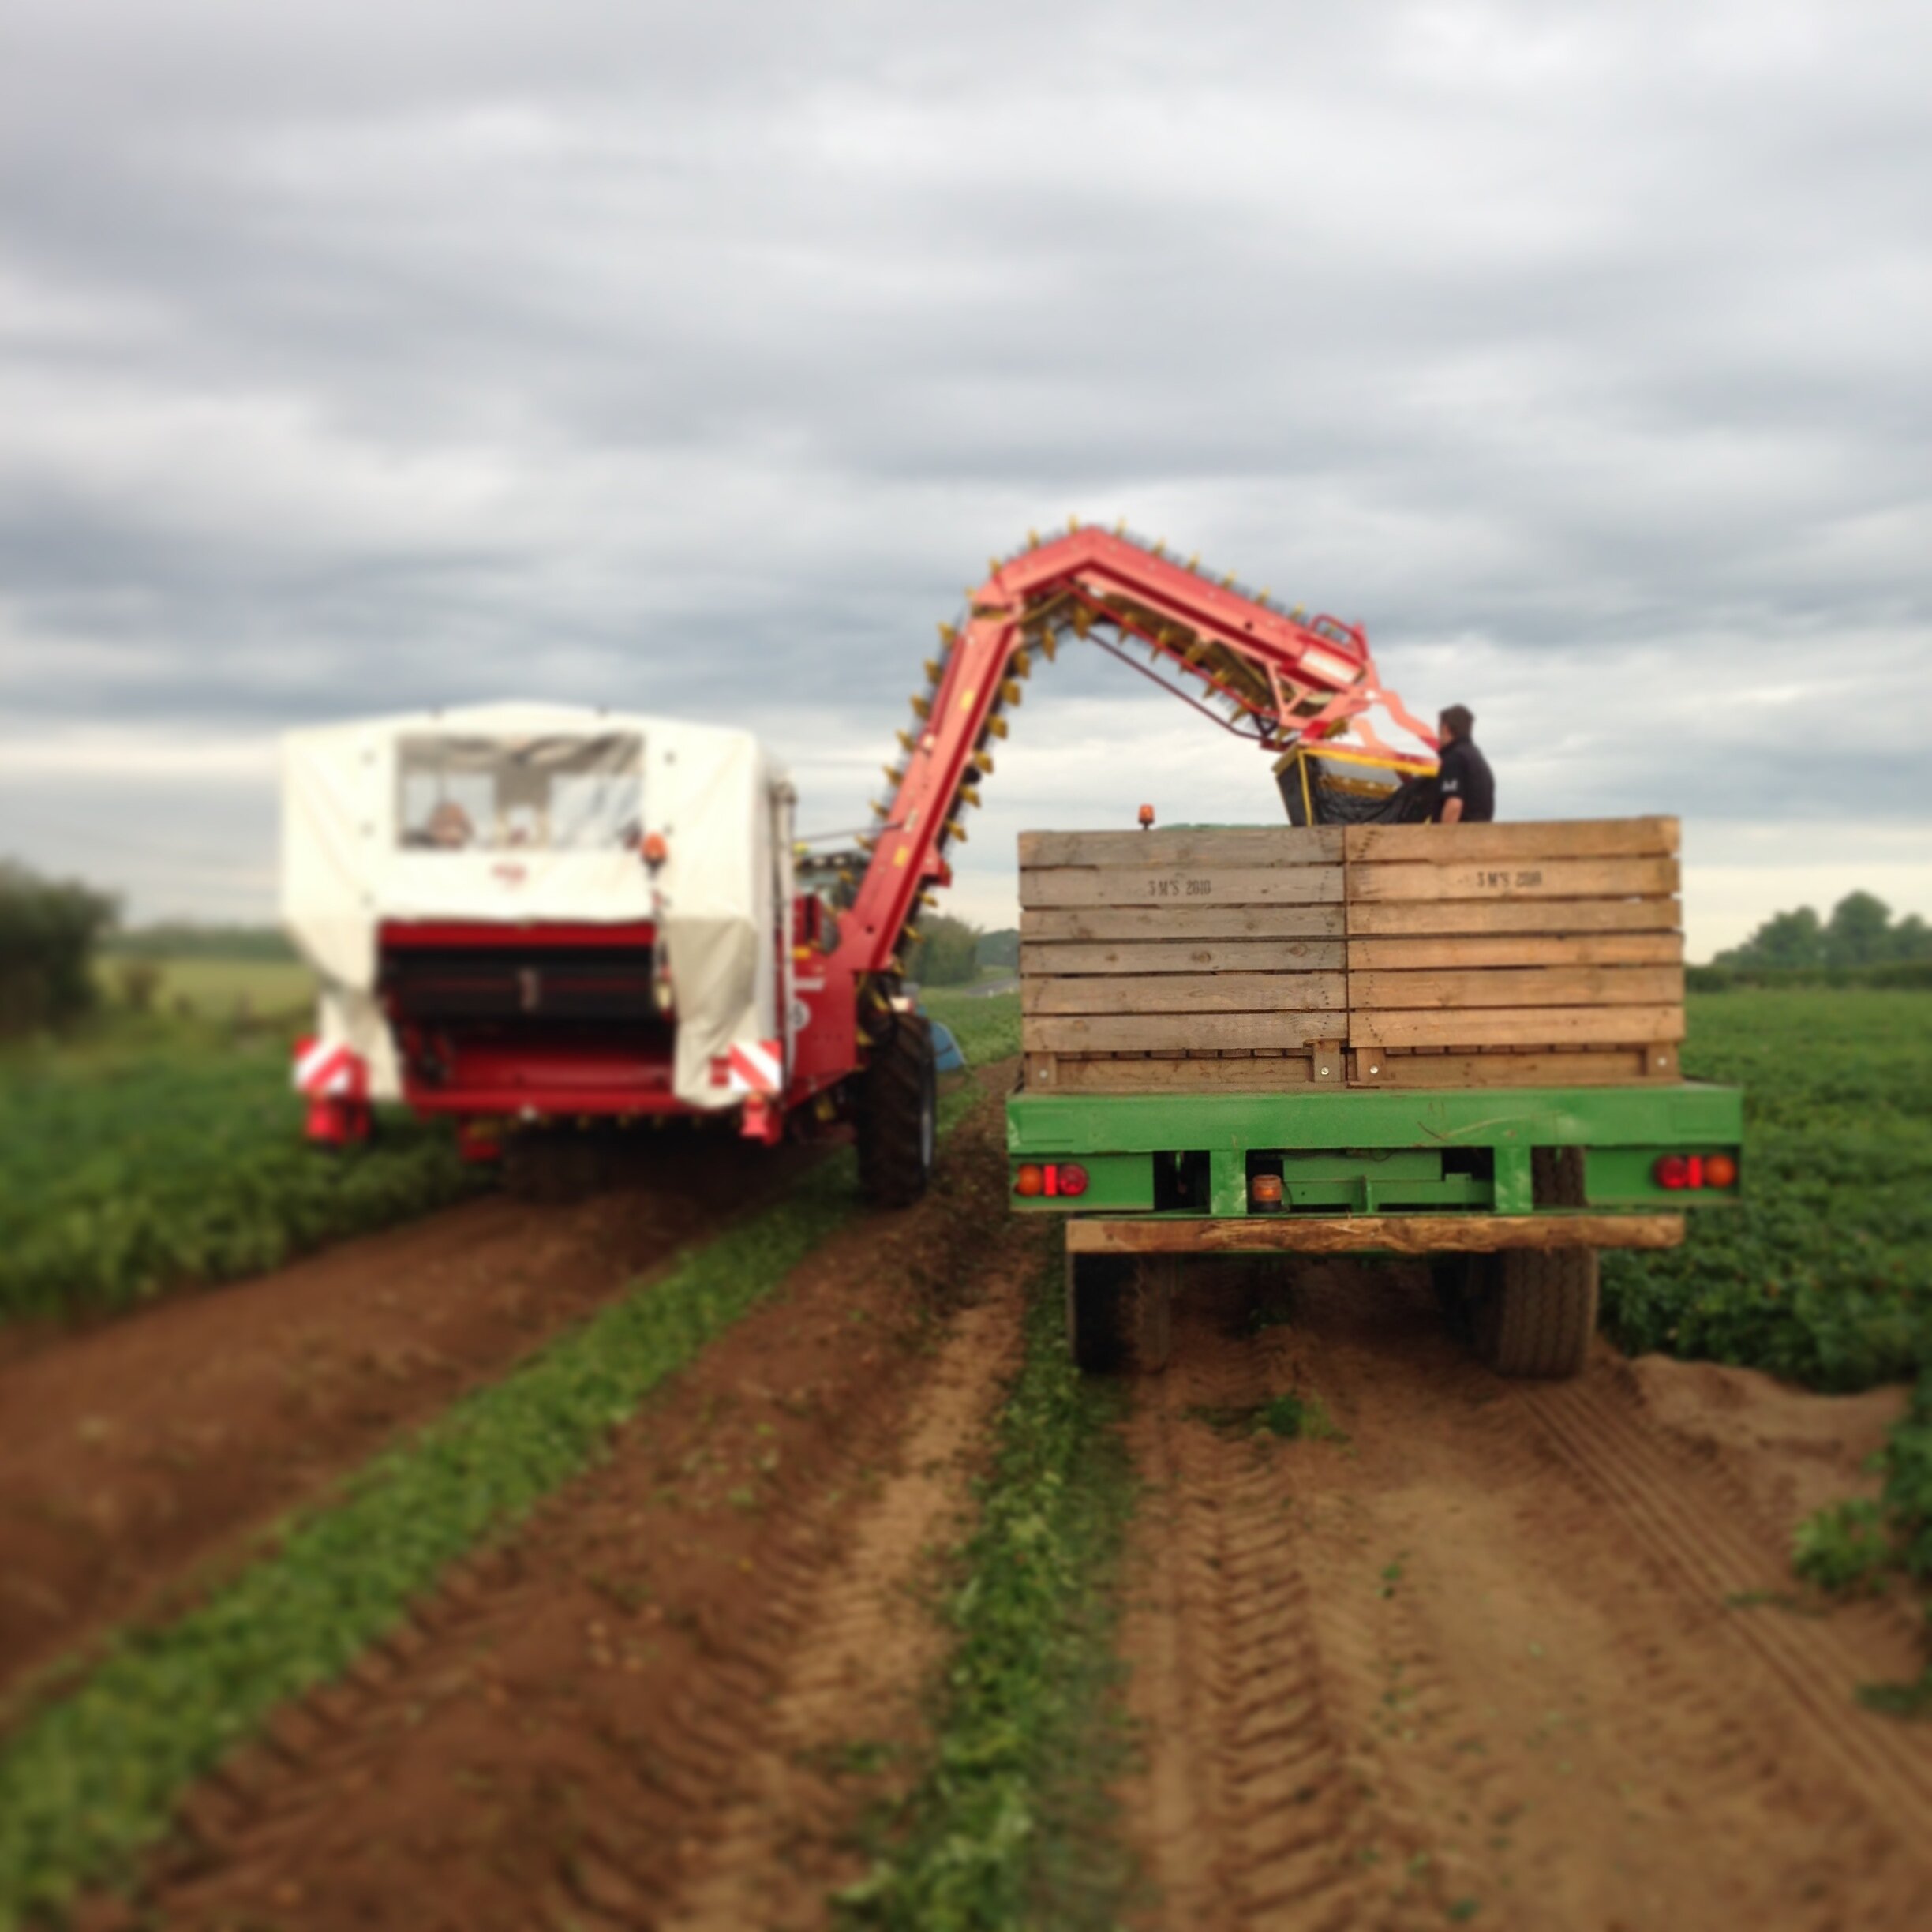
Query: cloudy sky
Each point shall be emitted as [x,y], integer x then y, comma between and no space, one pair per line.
[355,357]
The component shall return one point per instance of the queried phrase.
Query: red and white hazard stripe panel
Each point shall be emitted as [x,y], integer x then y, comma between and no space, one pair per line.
[756,1068]
[324,1072]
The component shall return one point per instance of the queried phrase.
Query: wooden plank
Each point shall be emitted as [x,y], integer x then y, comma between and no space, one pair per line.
[1624,1066]
[1524,915]
[1201,956]
[1121,886]
[1398,1234]
[1184,993]
[1193,1032]
[1219,846]
[1663,948]
[1533,1026]
[1548,838]
[1059,1073]
[1533,986]
[1175,923]
[1546,878]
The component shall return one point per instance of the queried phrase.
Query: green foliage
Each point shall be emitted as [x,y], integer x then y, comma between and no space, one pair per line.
[1001,949]
[1860,932]
[987,1026]
[1007,1827]
[947,954]
[178,939]
[94,1777]
[1289,1416]
[48,932]
[1823,1273]
[176,1155]
[1842,1547]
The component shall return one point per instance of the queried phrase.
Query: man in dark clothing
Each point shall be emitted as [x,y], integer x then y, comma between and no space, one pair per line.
[1465,787]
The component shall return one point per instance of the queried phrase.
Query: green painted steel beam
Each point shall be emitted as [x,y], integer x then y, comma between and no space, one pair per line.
[1226,1126]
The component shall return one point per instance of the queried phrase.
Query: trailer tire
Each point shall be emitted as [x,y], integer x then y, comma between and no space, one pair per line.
[1537,1317]
[1120,1312]
[897,1115]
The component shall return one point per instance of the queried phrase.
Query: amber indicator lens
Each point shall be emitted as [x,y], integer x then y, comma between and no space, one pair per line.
[1265,1191]
[1720,1170]
[1029,1181]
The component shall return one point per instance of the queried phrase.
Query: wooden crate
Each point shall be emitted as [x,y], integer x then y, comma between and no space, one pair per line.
[1513,955]
[1182,961]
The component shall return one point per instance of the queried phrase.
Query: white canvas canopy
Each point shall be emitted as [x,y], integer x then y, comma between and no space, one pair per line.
[526,813]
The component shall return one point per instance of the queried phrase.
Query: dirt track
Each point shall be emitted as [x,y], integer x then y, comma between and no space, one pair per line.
[134,1450]
[1521,1655]
[1477,1661]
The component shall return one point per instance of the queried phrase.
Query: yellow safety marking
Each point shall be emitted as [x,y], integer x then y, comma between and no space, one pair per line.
[972,691]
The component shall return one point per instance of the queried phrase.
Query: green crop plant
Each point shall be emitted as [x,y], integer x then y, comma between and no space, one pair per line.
[125,1173]
[1007,1824]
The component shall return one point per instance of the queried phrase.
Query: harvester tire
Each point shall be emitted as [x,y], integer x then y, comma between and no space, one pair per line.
[1537,1316]
[897,1115]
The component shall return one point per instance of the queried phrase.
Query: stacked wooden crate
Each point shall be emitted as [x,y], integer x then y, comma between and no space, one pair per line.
[1243,960]
[1211,960]
[1501,955]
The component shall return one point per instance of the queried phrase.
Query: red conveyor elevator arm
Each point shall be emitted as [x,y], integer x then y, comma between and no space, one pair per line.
[1277,678]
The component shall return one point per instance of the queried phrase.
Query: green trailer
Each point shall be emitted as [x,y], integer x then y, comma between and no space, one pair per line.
[1510,1193]
[1289,1042]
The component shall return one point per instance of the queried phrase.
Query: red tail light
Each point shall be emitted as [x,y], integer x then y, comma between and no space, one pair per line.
[1072,1178]
[1695,1170]
[1672,1171]
[1053,1179]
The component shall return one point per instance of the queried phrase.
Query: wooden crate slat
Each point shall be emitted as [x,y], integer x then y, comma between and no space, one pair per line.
[1173,923]
[1534,879]
[1188,992]
[1562,916]
[1530,986]
[1199,1032]
[1411,954]
[1529,1026]
[1280,956]
[1213,845]
[1121,886]
[1548,838]
[1614,1067]
[1058,1073]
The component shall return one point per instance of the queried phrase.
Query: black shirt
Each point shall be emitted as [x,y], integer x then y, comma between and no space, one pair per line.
[1465,774]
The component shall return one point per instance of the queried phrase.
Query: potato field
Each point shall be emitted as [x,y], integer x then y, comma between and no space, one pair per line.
[712,1553]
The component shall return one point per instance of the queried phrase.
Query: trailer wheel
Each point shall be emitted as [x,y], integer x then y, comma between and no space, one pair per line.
[1120,1311]
[897,1115]
[1537,1317]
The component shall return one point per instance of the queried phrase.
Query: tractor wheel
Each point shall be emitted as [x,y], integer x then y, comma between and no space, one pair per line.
[1537,1316]
[897,1115]
[1120,1311]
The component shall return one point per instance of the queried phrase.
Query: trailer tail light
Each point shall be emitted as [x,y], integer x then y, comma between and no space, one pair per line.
[1054,1179]
[1265,1193]
[1677,1171]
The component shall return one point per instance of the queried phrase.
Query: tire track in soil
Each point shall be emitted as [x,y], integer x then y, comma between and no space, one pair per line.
[580,1725]
[142,1450]
[1479,1655]
[866,1646]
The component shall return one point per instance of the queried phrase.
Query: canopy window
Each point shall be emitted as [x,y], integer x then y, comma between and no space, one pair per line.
[539,794]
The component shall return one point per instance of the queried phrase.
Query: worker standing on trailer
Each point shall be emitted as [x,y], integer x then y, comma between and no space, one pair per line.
[1465,785]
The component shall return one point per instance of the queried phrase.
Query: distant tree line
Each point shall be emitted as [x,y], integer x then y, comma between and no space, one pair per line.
[1860,932]
[49,929]
[174,939]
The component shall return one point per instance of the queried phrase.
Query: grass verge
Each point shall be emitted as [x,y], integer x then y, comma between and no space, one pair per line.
[90,1780]
[1007,1826]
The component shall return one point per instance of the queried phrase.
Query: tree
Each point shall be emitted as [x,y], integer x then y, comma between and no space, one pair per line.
[48,930]
[1858,932]
[1794,938]
[1911,938]
[1001,949]
[948,952]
